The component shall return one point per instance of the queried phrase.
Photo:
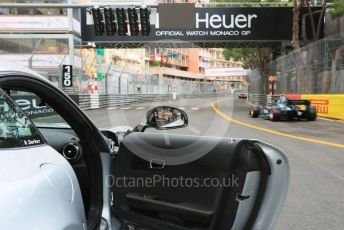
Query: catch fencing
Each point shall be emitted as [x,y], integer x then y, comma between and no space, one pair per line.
[317,68]
[105,101]
[118,87]
[119,82]
[262,99]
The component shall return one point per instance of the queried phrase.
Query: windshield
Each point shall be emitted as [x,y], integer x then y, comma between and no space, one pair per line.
[16,129]
[40,113]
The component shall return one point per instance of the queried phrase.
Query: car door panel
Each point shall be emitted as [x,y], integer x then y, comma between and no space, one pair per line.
[194,207]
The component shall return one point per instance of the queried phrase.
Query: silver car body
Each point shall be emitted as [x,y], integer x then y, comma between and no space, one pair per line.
[39,190]
[38,187]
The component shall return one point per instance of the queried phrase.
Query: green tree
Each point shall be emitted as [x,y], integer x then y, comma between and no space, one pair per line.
[338,9]
[237,54]
[253,58]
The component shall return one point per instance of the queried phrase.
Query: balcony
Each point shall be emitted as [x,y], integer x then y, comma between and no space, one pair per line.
[204,64]
[204,54]
[38,24]
[164,71]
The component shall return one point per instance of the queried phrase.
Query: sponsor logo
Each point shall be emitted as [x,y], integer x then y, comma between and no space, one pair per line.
[32,107]
[32,142]
[25,104]
[321,105]
[216,21]
[192,23]
[38,112]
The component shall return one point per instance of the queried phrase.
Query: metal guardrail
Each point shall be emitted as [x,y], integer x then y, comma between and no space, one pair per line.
[105,101]
[87,102]
[257,99]
[262,99]
[270,99]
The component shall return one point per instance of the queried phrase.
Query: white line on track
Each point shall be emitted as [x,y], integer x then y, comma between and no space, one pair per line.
[181,108]
[126,108]
[195,108]
[112,108]
[326,119]
[194,130]
[320,166]
[140,108]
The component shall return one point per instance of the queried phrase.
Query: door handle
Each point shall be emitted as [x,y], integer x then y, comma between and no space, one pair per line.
[156,164]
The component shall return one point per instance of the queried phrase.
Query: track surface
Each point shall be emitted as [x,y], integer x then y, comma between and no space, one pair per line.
[316,194]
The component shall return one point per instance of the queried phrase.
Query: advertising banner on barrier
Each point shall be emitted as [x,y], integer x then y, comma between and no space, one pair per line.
[224,72]
[34,107]
[327,105]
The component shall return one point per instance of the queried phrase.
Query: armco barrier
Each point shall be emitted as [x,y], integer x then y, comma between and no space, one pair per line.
[104,101]
[257,99]
[262,99]
[112,100]
[328,105]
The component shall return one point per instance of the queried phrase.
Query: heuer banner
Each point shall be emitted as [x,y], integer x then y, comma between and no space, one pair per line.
[184,22]
[188,22]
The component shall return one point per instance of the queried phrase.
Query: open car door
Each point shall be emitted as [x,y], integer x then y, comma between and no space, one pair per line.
[177,182]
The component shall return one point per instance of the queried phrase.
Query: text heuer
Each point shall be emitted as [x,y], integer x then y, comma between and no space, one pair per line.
[217,21]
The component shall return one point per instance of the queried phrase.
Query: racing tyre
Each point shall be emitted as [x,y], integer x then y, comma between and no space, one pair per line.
[254,112]
[274,115]
[312,113]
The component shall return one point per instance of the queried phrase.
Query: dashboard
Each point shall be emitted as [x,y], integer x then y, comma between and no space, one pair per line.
[66,142]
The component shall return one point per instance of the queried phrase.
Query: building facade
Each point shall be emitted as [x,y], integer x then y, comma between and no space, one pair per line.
[214,58]
[43,39]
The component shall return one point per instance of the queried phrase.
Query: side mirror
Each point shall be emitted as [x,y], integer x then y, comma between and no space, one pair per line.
[166,117]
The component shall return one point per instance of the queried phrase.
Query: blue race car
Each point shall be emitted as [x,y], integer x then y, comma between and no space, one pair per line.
[285,109]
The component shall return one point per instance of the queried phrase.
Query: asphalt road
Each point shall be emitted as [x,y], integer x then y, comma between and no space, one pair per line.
[315,151]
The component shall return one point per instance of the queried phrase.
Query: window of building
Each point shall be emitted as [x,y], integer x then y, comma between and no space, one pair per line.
[42,46]
[51,46]
[77,47]
[14,46]
[33,11]
[77,14]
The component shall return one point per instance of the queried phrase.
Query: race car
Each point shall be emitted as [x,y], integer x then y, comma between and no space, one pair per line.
[242,96]
[285,109]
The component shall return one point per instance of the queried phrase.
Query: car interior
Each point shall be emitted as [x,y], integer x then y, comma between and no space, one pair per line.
[195,207]
[165,207]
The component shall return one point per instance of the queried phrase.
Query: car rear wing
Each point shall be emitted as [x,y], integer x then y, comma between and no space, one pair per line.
[298,102]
